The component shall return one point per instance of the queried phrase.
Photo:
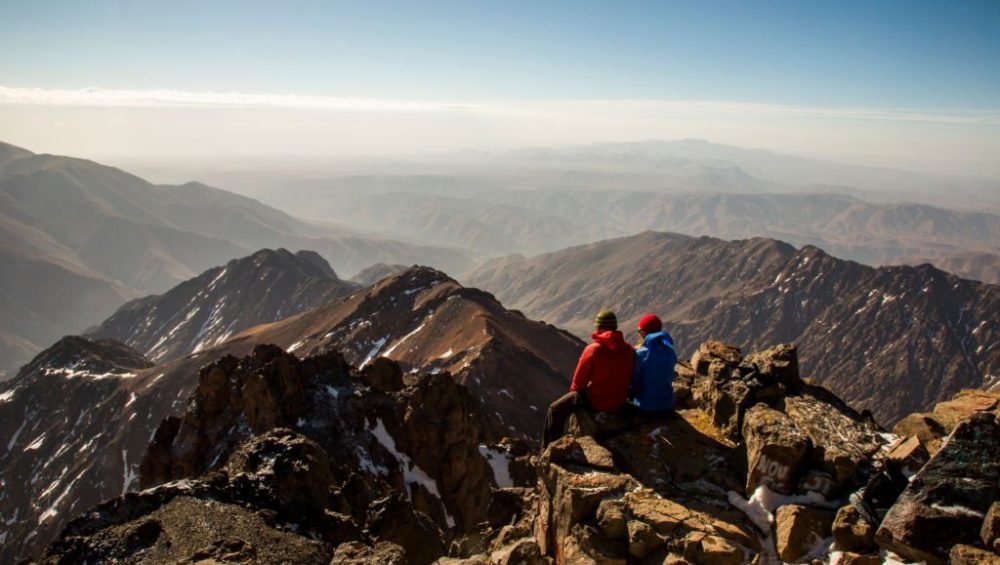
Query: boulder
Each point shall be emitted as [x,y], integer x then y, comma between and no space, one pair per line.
[723,354]
[990,532]
[776,450]
[582,450]
[928,431]
[524,551]
[779,364]
[798,529]
[852,532]
[726,402]
[673,520]
[842,441]
[931,428]
[712,550]
[642,539]
[611,519]
[962,554]
[946,502]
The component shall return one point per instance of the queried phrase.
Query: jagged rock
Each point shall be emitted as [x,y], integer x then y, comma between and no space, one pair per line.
[851,531]
[570,495]
[357,553]
[726,402]
[990,532]
[507,505]
[582,450]
[907,455]
[962,554]
[682,392]
[931,428]
[384,375]
[586,545]
[673,520]
[727,355]
[946,502]
[393,519]
[642,539]
[850,558]
[611,519]
[776,450]
[712,550]
[779,364]
[524,551]
[841,440]
[798,529]
[683,448]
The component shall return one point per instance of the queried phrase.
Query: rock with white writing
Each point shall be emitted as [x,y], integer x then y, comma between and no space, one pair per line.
[947,501]
[777,450]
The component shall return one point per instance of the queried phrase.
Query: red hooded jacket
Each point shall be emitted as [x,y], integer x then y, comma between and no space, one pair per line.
[605,370]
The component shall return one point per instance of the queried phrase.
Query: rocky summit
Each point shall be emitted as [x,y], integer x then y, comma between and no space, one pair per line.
[204,311]
[278,458]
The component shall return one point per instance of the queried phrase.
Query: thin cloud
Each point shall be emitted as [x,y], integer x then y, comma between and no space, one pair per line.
[167,98]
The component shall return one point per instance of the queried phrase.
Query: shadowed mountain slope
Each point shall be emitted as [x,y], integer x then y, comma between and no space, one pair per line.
[892,339]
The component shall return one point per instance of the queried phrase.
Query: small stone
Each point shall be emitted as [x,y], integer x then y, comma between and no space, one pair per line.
[611,519]
[852,532]
[642,539]
[798,529]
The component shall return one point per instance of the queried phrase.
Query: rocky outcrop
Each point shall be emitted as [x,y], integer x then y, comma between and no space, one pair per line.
[947,501]
[930,428]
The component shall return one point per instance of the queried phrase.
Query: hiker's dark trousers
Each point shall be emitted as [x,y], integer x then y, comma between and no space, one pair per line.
[559,412]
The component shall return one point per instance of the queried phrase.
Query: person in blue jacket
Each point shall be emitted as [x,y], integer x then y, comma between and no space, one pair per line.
[652,386]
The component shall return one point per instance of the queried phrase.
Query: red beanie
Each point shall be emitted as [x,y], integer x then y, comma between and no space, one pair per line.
[650,323]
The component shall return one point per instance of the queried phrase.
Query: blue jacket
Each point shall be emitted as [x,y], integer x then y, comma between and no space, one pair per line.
[652,387]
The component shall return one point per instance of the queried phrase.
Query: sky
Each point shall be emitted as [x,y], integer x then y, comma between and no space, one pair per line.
[908,82]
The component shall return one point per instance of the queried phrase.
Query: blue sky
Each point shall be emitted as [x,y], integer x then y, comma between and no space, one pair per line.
[905,54]
[908,83]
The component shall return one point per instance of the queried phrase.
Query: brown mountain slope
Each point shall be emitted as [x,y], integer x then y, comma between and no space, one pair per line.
[204,311]
[891,339]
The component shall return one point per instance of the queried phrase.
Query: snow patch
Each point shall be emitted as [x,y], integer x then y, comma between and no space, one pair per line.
[412,473]
[446,354]
[7,396]
[37,443]
[499,463]
[376,347]
[389,351]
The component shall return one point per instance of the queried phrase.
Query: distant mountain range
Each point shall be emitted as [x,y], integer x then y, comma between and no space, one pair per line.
[543,199]
[891,339]
[78,239]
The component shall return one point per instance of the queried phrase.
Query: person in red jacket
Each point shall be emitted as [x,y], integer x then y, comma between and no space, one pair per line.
[601,380]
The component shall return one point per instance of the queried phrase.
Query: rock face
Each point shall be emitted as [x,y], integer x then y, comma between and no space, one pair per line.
[776,450]
[204,311]
[947,501]
[302,450]
[935,333]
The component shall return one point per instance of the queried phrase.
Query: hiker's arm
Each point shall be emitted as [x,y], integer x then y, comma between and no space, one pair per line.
[584,368]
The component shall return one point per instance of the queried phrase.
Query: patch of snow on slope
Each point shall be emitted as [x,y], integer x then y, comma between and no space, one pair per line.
[412,473]
[389,351]
[7,396]
[376,347]
[499,463]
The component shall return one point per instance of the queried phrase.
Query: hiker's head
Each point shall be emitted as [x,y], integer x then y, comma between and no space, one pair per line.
[648,324]
[606,320]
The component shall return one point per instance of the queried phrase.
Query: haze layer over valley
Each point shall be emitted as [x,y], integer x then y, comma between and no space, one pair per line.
[542,199]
